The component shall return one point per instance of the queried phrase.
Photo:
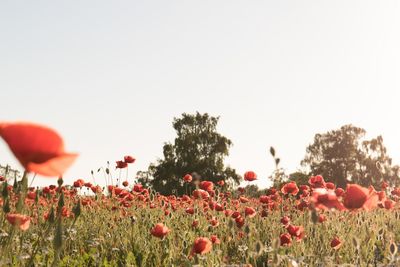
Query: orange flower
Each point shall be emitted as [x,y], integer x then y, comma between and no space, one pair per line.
[19,220]
[202,245]
[38,148]
[159,230]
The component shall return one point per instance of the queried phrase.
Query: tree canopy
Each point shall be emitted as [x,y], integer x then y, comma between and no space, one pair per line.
[343,156]
[198,149]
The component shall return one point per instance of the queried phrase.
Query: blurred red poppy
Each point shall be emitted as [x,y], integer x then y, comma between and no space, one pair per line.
[286,239]
[121,164]
[38,148]
[359,197]
[296,231]
[250,176]
[285,220]
[336,243]
[202,245]
[317,181]
[207,185]
[187,178]
[129,159]
[19,220]
[215,239]
[250,212]
[290,188]
[159,230]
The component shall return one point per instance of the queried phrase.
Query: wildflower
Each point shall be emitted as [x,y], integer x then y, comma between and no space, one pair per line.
[317,181]
[19,220]
[336,243]
[187,178]
[129,159]
[159,230]
[359,197]
[202,245]
[121,164]
[296,231]
[207,186]
[285,220]
[215,239]
[38,148]
[286,239]
[250,176]
[250,212]
[290,188]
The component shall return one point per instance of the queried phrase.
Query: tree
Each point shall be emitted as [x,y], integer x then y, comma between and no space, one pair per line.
[342,156]
[299,177]
[198,148]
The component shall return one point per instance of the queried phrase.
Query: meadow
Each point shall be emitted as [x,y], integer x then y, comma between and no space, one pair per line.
[125,224]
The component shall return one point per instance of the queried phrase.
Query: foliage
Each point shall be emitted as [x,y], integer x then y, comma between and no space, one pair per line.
[342,156]
[115,231]
[198,148]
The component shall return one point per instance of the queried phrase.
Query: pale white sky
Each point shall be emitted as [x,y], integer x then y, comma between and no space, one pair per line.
[111,75]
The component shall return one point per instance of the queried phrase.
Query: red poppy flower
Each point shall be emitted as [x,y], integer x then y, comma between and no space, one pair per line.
[79,183]
[19,220]
[290,188]
[215,239]
[250,212]
[129,159]
[243,199]
[200,193]
[159,230]
[202,245]
[121,164]
[388,204]
[221,183]
[326,199]
[195,223]
[384,185]
[359,197]
[207,186]
[214,222]
[286,239]
[264,199]
[239,221]
[321,218]
[339,192]
[330,185]
[285,220]
[296,231]
[38,148]
[138,188]
[336,243]
[187,178]
[317,181]
[250,176]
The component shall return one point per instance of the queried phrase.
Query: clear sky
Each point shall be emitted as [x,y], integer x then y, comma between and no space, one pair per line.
[111,75]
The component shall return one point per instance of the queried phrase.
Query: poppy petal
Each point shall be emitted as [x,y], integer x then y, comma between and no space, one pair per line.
[53,167]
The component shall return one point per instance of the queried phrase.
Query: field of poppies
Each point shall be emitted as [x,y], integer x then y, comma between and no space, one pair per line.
[83,224]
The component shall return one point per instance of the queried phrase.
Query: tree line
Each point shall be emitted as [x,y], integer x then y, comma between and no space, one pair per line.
[341,156]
